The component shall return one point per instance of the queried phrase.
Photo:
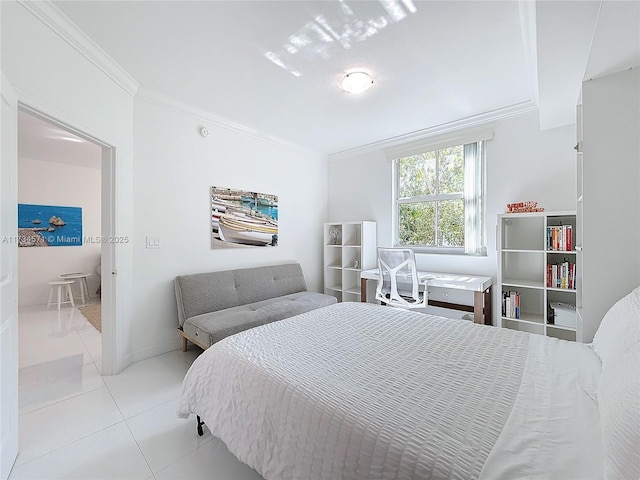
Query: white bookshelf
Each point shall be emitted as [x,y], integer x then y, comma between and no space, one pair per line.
[523,259]
[349,248]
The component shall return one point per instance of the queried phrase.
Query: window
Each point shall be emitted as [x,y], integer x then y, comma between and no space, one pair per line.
[439,200]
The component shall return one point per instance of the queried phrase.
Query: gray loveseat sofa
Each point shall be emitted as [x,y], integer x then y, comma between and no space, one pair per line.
[214,305]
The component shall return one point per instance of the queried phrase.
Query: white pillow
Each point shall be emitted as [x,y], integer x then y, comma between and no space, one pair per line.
[617,343]
[617,323]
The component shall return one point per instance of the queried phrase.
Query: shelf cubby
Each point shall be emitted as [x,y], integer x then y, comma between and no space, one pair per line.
[531,304]
[523,267]
[333,256]
[333,234]
[351,280]
[521,232]
[523,326]
[563,333]
[350,255]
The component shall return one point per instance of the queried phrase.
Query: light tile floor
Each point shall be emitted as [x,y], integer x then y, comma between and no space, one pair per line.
[76,424]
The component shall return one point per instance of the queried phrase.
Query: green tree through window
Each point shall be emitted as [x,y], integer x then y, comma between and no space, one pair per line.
[430,196]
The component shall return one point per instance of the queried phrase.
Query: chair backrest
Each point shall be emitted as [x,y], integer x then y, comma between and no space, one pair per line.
[398,283]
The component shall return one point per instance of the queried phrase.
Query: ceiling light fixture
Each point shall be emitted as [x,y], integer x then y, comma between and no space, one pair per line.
[356,82]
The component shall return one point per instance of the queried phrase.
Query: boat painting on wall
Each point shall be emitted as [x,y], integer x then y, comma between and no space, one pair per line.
[240,218]
[49,226]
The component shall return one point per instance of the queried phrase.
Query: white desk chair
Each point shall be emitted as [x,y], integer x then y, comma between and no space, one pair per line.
[398,283]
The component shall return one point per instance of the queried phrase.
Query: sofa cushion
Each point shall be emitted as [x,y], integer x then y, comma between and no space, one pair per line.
[214,326]
[202,293]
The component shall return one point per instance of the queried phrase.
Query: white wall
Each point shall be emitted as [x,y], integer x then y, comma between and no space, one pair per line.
[174,170]
[51,183]
[55,78]
[523,164]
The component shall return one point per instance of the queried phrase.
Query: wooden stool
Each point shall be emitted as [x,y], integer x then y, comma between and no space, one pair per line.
[62,285]
[82,283]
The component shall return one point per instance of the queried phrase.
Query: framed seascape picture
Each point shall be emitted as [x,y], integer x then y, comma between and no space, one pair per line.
[49,226]
[240,218]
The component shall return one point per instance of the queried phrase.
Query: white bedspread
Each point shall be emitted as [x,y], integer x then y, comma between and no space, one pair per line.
[553,431]
[358,391]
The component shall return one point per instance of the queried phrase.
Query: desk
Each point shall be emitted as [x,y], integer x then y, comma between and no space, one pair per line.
[480,286]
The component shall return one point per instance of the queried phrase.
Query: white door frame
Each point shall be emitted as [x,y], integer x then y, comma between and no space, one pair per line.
[8,279]
[110,363]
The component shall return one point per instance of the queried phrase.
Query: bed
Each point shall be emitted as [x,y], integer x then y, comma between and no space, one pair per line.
[360,391]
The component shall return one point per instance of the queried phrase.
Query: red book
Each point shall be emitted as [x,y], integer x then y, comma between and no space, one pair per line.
[571,270]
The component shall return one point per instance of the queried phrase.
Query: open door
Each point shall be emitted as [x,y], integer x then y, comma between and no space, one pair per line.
[8,279]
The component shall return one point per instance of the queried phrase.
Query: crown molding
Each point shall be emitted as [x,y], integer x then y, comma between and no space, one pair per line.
[529,30]
[167,102]
[421,135]
[61,25]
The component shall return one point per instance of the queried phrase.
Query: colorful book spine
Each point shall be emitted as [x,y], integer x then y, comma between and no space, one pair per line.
[511,304]
[561,275]
[560,238]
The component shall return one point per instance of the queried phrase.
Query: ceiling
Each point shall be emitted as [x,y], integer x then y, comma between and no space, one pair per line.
[39,139]
[274,66]
[580,40]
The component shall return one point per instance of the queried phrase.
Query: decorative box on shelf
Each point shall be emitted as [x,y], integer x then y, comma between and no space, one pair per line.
[564,314]
[524,207]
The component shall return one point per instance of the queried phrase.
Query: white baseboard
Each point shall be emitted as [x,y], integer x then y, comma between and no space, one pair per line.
[153,351]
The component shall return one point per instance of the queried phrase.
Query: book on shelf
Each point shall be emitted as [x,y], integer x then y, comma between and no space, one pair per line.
[561,275]
[511,304]
[560,238]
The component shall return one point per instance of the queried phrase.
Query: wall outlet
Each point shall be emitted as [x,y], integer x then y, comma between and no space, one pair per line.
[153,242]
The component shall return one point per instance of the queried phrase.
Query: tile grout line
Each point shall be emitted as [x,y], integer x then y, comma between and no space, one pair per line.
[75,328]
[84,343]
[66,399]
[93,362]
[144,456]
[103,385]
[114,399]
[153,472]
[186,454]
[140,449]
[70,443]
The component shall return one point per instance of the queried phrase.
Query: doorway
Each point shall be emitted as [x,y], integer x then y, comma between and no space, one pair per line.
[74,170]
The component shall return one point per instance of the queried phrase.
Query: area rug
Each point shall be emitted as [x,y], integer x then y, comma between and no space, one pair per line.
[92,313]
